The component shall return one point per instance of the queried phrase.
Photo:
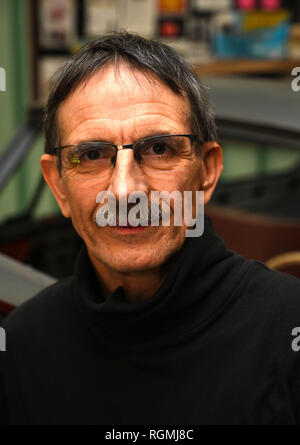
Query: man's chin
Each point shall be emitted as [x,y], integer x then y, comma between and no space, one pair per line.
[130,259]
[125,262]
[128,252]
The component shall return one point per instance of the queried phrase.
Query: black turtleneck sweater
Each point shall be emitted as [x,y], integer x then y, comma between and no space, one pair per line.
[213,345]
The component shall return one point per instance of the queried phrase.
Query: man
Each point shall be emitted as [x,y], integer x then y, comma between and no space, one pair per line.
[154,327]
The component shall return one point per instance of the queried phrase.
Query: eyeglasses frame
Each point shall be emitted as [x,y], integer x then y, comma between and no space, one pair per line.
[118,147]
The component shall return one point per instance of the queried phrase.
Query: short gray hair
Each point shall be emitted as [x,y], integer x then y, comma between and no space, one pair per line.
[145,55]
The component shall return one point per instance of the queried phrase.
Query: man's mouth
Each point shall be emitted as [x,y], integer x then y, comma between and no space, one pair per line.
[126,230]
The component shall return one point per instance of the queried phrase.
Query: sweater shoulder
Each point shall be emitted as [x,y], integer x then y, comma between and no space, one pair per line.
[265,278]
[273,289]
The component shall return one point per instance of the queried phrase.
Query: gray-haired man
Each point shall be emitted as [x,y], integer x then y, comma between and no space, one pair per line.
[154,327]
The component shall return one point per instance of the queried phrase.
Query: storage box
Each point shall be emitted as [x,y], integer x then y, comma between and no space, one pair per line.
[257,35]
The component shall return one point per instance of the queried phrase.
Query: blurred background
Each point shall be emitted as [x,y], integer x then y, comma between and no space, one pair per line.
[245,51]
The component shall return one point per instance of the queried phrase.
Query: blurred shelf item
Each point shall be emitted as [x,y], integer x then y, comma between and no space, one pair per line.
[190,49]
[268,5]
[233,66]
[209,5]
[294,44]
[171,19]
[59,21]
[100,17]
[254,34]
[172,7]
[170,27]
[246,5]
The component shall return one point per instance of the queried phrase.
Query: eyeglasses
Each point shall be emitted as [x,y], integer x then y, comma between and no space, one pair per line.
[162,152]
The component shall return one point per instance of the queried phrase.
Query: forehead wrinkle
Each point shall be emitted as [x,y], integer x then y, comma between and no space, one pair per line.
[128,107]
[112,128]
[143,113]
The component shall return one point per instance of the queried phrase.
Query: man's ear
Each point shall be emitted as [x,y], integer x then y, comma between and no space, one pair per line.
[55,182]
[212,158]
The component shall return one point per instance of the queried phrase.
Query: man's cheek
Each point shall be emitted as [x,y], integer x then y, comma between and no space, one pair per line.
[82,210]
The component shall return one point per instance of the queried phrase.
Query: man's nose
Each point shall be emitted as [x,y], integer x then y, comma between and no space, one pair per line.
[127,171]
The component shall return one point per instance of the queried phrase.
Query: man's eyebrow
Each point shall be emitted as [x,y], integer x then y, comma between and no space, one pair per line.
[96,139]
[147,135]
[155,133]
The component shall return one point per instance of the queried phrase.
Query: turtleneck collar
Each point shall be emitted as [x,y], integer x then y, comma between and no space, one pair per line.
[202,281]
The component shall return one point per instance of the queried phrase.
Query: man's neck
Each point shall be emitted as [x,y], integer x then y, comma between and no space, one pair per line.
[137,285]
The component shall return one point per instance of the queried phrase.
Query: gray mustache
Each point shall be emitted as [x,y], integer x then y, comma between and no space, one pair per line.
[116,215]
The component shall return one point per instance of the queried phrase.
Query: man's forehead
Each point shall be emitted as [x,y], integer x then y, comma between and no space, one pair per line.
[111,90]
[122,84]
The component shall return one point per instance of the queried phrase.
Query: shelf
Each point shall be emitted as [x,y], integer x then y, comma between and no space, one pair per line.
[234,66]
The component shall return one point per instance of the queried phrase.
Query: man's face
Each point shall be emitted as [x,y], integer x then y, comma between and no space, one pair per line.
[123,108]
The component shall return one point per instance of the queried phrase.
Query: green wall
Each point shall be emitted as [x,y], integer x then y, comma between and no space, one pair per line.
[14,103]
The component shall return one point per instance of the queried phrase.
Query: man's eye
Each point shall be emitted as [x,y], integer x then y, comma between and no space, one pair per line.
[158,149]
[95,154]
[92,155]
